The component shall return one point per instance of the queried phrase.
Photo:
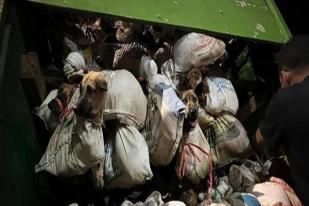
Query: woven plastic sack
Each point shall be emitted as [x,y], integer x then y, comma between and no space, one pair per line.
[241,178]
[76,146]
[148,67]
[164,123]
[176,79]
[127,56]
[194,157]
[196,50]
[51,120]
[227,137]
[221,97]
[269,193]
[222,188]
[127,159]
[288,190]
[74,65]
[125,99]
[155,199]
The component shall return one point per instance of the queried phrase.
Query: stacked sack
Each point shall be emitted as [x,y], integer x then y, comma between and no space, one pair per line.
[219,103]
[165,115]
[127,158]
[75,146]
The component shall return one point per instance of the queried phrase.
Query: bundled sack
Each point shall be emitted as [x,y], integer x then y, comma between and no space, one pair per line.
[270,193]
[241,178]
[127,158]
[50,119]
[125,100]
[74,66]
[76,146]
[194,160]
[127,56]
[227,137]
[222,188]
[164,122]
[154,199]
[288,190]
[221,97]
[196,50]
[148,68]
[176,79]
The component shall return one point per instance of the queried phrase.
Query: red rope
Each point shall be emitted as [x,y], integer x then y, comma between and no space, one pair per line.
[59,103]
[67,110]
[189,147]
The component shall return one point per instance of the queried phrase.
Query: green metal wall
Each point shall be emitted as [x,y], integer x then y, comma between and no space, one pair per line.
[258,20]
[17,134]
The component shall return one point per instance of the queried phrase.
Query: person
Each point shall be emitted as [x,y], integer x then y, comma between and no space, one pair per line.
[286,121]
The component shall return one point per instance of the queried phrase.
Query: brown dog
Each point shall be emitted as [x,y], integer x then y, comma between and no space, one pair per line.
[191,101]
[198,83]
[61,101]
[91,102]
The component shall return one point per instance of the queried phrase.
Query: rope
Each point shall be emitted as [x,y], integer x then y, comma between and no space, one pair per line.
[67,110]
[189,147]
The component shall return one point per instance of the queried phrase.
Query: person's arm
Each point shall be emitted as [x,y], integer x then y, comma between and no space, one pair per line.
[258,142]
[269,132]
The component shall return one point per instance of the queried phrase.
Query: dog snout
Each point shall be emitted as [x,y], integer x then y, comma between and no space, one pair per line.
[85,108]
[193,114]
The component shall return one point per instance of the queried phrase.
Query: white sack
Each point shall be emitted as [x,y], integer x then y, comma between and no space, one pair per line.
[125,99]
[127,159]
[196,50]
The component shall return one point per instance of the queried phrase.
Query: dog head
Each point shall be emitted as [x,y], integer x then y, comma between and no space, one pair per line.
[91,102]
[198,84]
[191,101]
[60,102]
[194,77]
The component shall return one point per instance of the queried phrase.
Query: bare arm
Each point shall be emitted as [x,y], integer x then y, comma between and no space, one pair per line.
[258,141]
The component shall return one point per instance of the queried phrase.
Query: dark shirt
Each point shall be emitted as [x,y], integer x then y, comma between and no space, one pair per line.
[286,124]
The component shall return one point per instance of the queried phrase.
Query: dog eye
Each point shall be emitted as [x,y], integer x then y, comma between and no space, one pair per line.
[90,90]
[194,99]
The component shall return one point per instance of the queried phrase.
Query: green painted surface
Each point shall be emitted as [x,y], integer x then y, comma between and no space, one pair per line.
[18,146]
[251,19]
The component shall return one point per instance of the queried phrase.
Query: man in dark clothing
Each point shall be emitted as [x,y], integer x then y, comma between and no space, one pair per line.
[286,122]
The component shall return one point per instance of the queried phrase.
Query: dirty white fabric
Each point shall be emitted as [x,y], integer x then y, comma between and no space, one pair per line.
[174,203]
[196,50]
[148,67]
[241,178]
[127,159]
[155,199]
[193,146]
[127,56]
[222,188]
[125,99]
[227,137]
[50,119]
[176,79]
[164,123]
[74,64]
[76,146]
[288,190]
[269,193]
[221,96]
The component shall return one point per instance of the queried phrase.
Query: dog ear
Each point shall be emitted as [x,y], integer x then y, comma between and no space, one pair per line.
[101,83]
